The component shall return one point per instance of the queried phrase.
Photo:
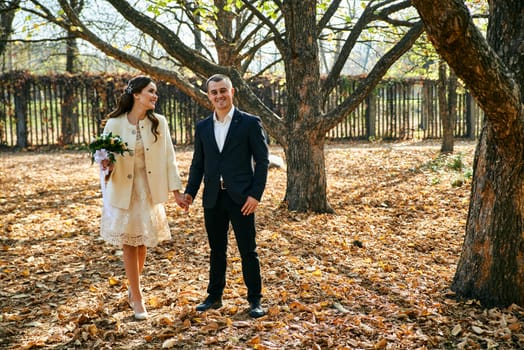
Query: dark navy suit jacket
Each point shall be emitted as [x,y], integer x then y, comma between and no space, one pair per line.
[243,162]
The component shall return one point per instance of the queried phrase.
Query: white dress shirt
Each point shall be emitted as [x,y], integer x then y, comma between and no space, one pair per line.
[221,128]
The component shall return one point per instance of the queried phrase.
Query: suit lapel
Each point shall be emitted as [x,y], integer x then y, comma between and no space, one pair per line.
[209,133]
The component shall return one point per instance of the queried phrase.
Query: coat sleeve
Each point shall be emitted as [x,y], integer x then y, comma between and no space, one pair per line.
[173,175]
[258,144]
[196,170]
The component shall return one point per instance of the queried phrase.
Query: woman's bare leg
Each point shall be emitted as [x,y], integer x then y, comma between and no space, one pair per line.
[142,253]
[133,263]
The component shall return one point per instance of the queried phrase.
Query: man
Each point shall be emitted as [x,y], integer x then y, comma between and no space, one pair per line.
[231,155]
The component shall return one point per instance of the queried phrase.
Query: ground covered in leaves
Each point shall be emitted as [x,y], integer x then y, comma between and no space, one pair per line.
[374,275]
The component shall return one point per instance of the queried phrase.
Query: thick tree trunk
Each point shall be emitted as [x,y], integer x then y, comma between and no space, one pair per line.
[224,41]
[304,143]
[491,267]
[306,174]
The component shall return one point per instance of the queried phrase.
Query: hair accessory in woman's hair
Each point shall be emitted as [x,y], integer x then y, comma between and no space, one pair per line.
[128,90]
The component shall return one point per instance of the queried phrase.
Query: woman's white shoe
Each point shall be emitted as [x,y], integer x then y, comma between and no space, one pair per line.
[139,309]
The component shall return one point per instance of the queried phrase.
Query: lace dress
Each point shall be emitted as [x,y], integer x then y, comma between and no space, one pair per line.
[144,223]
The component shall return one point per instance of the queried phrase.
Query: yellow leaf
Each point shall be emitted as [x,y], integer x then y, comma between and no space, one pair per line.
[166,320]
[317,273]
[293,259]
[113,281]
[232,310]
[186,324]
[382,343]
[273,311]
[254,341]
[153,301]
[92,329]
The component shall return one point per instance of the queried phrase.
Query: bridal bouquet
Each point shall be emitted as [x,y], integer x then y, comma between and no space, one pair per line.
[106,146]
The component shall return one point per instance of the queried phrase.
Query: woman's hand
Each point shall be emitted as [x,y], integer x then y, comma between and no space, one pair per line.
[106,165]
[182,200]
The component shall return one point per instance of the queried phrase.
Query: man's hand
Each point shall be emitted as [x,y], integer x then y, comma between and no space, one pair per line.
[181,200]
[249,206]
[188,199]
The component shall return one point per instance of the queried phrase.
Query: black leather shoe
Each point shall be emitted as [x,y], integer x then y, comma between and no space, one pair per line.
[209,304]
[255,310]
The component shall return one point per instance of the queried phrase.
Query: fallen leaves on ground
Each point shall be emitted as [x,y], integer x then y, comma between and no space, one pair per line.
[374,275]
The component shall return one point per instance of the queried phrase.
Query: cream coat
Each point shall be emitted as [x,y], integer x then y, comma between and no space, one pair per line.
[161,167]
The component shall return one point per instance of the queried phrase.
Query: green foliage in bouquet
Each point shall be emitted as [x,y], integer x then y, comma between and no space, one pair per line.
[106,146]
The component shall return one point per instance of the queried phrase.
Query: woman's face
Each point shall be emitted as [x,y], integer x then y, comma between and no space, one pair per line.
[147,98]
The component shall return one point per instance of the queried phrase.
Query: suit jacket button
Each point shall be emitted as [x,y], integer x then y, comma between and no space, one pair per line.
[129,176]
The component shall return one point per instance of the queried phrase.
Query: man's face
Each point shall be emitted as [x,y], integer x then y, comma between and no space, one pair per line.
[220,93]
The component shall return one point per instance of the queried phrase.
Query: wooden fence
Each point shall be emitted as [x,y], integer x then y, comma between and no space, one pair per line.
[68,109]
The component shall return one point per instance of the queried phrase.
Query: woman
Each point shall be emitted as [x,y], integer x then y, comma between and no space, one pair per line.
[133,215]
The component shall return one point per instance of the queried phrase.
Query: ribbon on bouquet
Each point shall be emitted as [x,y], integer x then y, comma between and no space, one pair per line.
[99,156]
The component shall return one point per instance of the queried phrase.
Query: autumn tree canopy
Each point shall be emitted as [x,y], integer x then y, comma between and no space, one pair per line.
[222,36]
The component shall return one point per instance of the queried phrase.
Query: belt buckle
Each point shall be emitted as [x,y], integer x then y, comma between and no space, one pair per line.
[222,185]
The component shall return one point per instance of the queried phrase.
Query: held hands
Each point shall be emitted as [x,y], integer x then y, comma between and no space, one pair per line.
[249,206]
[183,200]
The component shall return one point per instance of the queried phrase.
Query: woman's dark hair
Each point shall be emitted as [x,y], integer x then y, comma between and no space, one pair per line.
[126,101]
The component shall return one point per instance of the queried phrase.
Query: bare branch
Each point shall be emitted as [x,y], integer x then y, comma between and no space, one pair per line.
[364,88]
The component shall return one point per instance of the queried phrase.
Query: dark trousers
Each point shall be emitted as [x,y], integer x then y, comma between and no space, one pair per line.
[217,221]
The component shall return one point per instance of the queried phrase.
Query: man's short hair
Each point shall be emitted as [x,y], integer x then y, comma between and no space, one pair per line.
[218,77]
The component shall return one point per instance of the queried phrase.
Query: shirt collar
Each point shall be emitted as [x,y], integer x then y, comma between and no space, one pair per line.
[229,115]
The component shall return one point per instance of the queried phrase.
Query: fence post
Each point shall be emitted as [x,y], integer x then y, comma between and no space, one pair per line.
[371,114]
[21,113]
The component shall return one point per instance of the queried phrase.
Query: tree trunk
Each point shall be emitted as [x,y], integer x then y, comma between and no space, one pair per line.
[304,144]
[491,266]
[224,40]
[452,103]
[306,174]
[7,15]
[21,115]
[447,96]
[69,116]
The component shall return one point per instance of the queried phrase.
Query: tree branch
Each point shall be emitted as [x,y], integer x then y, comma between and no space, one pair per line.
[334,116]
[371,13]
[332,9]
[451,30]
[171,76]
